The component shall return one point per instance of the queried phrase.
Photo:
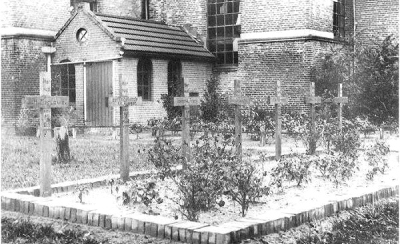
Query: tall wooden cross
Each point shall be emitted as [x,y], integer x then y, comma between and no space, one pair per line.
[238,100]
[123,102]
[278,101]
[44,103]
[186,102]
[340,100]
[312,100]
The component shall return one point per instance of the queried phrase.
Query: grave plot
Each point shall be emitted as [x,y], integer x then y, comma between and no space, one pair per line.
[221,195]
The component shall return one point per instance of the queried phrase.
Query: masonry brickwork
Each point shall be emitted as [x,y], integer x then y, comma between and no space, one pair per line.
[177,12]
[43,14]
[102,46]
[21,62]
[130,8]
[376,19]
[261,63]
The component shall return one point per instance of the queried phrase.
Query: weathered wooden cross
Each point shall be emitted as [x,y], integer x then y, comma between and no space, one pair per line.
[340,100]
[123,102]
[44,103]
[278,101]
[312,100]
[186,102]
[238,100]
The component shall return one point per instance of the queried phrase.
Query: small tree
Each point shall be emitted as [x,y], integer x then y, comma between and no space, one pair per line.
[211,105]
[370,76]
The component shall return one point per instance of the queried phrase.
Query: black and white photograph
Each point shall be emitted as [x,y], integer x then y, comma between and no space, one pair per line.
[199,121]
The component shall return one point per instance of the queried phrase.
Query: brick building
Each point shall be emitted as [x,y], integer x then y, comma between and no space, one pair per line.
[256,41]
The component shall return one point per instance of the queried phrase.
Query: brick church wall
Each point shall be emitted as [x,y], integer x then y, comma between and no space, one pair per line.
[377,19]
[43,14]
[21,62]
[178,12]
[130,8]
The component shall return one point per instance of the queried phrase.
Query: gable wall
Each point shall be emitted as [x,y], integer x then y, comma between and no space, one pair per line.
[100,45]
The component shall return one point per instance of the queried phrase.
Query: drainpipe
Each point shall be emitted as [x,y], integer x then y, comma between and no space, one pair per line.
[84,93]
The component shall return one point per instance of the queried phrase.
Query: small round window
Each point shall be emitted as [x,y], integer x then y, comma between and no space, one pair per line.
[82,35]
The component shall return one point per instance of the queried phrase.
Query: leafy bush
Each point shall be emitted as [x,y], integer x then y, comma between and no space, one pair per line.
[293,167]
[212,103]
[244,183]
[337,167]
[376,158]
[371,224]
[143,191]
[201,182]
[370,74]
[257,119]
[16,230]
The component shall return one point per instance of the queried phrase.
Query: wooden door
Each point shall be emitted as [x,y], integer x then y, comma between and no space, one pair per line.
[98,89]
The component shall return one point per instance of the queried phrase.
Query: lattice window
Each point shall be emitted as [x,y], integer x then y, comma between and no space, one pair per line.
[339,18]
[144,77]
[223,28]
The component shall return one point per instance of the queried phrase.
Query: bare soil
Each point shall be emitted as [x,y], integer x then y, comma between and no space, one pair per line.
[314,193]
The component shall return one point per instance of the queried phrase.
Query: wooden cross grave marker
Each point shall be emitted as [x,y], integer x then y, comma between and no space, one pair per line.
[186,102]
[340,100]
[123,102]
[44,103]
[238,100]
[278,101]
[312,100]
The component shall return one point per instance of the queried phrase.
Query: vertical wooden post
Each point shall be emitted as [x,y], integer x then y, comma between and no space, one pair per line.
[186,102]
[44,103]
[278,100]
[124,136]
[238,100]
[340,108]
[45,138]
[186,132]
[238,121]
[312,100]
[340,100]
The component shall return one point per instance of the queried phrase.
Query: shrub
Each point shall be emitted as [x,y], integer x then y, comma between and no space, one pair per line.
[337,167]
[202,181]
[371,224]
[24,231]
[212,102]
[143,191]
[293,167]
[257,119]
[376,158]
[244,183]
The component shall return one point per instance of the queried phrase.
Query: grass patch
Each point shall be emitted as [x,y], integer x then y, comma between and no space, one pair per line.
[90,158]
[371,224]
[24,231]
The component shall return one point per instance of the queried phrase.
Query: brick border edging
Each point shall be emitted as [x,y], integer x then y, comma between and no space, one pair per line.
[187,231]
[69,186]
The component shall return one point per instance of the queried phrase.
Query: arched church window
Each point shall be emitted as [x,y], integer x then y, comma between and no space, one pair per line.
[144,77]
